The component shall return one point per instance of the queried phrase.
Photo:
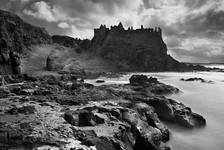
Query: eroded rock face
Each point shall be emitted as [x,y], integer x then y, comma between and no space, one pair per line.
[15,38]
[173,111]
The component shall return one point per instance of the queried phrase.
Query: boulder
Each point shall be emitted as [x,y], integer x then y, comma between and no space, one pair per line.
[141,80]
[145,84]
[5,58]
[170,110]
[60,61]
[52,62]
[30,109]
[195,79]
[70,118]
[4,92]
[83,118]
[87,118]
[100,81]
[147,137]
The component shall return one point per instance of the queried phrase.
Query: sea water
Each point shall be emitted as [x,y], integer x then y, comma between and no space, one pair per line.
[206,99]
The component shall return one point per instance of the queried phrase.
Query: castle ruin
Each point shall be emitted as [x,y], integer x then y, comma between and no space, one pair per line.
[119,28]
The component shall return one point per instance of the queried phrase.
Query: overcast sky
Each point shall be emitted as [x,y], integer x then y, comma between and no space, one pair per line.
[192,29]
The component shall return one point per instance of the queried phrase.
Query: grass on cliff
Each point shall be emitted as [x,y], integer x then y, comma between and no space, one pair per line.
[34,62]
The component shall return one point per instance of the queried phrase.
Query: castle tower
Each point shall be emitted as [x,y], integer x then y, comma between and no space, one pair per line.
[102,26]
[120,26]
[156,29]
[160,31]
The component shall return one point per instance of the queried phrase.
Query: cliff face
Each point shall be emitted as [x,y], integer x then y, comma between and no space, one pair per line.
[15,37]
[139,50]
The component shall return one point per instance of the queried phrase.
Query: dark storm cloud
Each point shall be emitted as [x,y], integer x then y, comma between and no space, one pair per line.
[85,7]
[210,21]
[192,29]
[146,3]
[201,20]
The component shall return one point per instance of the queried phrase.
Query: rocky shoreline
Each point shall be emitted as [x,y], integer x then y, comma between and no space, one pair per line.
[64,112]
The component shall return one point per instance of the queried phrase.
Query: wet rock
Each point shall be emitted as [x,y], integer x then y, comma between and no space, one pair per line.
[189,119]
[147,137]
[198,120]
[69,100]
[5,57]
[88,86]
[26,92]
[196,79]
[83,118]
[27,77]
[71,118]
[64,113]
[90,138]
[142,83]
[22,110]
[148,113]
[124,130]
[88,118]
[4,92]
[162,89]
[100,81]
[141,80]
[10,79]
[173,111]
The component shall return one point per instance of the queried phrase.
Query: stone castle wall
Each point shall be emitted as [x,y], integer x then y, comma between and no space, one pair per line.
[103,30]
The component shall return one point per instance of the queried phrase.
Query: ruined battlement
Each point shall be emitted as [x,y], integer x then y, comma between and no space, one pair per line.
[103,30]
